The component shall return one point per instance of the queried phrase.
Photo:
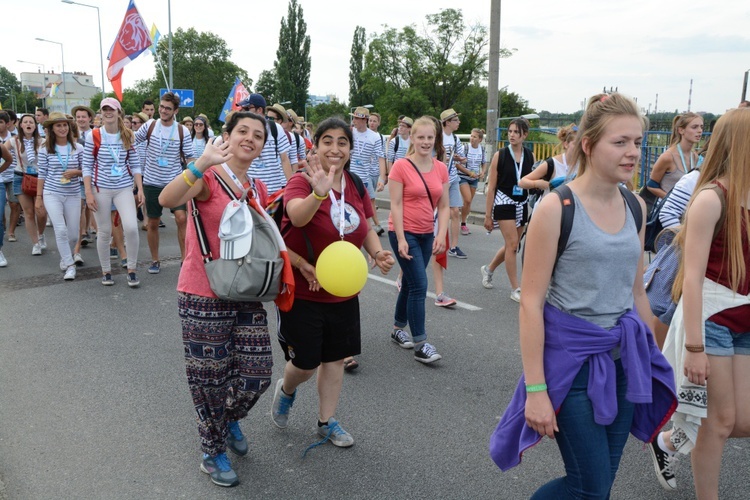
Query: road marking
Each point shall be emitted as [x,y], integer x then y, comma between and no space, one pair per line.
[462,305]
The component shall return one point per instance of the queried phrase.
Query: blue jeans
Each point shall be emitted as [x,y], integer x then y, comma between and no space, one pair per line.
[591,452]
[2,213]
[410,301]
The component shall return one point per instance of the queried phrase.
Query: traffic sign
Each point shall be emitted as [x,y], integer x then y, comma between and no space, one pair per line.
[186,96]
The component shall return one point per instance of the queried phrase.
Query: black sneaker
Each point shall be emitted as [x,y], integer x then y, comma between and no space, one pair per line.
[402,338]
[426,353]
[663,465]
[107,280]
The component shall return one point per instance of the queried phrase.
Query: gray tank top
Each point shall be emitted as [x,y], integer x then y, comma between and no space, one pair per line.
[594,276]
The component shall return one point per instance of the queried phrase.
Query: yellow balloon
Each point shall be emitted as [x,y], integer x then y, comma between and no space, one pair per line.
[341,269]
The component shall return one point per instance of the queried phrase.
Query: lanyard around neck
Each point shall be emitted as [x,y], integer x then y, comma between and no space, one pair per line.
[67,156]
[682,159]
[161,138]
[237,182]
[517,164]
[341,208]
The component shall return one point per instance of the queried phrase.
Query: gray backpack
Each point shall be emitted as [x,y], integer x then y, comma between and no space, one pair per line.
[250,266]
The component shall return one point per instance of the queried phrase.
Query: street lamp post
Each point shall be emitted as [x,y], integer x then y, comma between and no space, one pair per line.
[62,56]
[744,85]
[99,20]
[44,77]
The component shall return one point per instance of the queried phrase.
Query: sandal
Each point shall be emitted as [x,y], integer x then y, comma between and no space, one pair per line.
[350,364]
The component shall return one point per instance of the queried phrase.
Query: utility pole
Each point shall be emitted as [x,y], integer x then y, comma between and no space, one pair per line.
[493,77]
[169,16]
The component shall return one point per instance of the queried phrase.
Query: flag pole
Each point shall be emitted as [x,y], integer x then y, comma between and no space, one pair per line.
[161,67]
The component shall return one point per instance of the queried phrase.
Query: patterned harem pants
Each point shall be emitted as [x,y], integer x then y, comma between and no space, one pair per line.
[228,361]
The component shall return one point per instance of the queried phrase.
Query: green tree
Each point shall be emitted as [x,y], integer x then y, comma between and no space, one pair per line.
[201,62]
[292,64]
[317,114]
[356,65]
[267,86]
[10,88]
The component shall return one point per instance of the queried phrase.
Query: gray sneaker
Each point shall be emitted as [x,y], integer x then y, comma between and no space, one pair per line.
[36,249]
[282,403]
[336,434]
[236,440]
[42,242]
[220,470]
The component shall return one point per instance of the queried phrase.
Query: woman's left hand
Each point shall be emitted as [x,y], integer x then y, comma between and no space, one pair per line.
[438,246]
[140,197]
[384,260]
[308,272]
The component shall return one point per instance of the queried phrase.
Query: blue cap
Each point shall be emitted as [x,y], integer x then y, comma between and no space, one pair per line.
[256,100]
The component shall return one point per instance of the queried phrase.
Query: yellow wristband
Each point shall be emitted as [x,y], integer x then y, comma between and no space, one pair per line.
[187,180]
[319,198]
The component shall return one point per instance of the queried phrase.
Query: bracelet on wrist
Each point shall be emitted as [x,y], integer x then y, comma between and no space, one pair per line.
[695,347]
[296,264]
[197,173]
[187,179]
[318,197]
[536,388]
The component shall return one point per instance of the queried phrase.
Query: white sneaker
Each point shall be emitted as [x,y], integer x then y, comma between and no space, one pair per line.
[3,260]
[486,277]
[516,295]
[78,259]
[63,267]
[36,249]
[42,242]
[70,274]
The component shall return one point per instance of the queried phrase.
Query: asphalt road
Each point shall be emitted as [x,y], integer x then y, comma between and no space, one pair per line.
[94,402]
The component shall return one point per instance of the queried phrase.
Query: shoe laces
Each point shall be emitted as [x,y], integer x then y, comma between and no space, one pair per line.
[234,429]
[285,402]
[400,336]
[669,465]
[428,349]
[222,462]
[334,429]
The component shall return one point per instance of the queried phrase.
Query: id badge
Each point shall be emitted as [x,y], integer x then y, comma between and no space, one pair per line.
[117,170]
[517,191]
[162,162]
[30,170]
[358,162]
[64,180]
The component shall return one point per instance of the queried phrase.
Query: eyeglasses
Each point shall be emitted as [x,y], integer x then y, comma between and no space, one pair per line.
[248,108]
[165,108]
[198,124]
[455,120]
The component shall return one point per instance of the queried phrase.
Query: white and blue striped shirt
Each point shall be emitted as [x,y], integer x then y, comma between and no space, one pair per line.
[403,147]
[450,142]
[53,165]
[29,157]
[474,160]
[199,144]
[675,206]
[105,172]
[7,174]
[163,163]
[267,167]
[366,150]
[375,161]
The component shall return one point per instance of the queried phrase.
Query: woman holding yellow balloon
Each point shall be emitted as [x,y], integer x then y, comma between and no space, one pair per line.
[418,186]
[325,223]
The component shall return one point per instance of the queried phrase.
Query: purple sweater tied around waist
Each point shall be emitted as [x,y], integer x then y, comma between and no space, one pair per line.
[568,343]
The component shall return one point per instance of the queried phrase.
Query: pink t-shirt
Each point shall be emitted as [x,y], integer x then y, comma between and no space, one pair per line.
[418,213]
[193,277]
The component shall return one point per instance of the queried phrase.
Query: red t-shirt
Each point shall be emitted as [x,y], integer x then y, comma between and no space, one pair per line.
[736,319]
[417,210]
[193,277]
[322,230]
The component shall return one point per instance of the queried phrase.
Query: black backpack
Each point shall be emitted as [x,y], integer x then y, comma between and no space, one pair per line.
[653,224]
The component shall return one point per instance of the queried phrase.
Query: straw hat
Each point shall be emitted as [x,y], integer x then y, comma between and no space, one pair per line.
[448,114]
[360,112]
[293,116]
[407,121]
[82,108]
[187,119]
[281,111]
[56,117]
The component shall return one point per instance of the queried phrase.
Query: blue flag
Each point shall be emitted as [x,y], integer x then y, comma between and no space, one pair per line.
[229,104]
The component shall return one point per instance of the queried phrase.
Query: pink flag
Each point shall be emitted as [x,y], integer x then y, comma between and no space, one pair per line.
[132,39]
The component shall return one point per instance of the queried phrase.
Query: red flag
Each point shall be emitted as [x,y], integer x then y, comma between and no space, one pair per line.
[132,39]
[240,94]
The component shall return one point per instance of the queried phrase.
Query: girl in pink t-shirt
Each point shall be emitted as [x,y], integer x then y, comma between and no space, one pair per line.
[418,186]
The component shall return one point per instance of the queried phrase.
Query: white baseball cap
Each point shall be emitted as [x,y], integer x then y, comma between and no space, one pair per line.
[236,230]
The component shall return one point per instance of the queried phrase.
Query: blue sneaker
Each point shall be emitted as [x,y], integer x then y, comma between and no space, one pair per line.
[107,280]
[220,470]
[236,440]
[155,267]
[457,253]
[282,403]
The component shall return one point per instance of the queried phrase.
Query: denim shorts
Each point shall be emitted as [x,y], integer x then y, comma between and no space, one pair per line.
[471,182]
[17,180]
[454,195]
[721,341]
[9,194]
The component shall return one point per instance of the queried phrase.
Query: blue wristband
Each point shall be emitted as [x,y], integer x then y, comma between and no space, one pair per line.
[197,173]
[653,184]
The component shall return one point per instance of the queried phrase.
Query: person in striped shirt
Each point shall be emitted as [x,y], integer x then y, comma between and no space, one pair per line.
[367,149]
[59,182]
[455,153]
[399,145]
[168,145]
[109,171]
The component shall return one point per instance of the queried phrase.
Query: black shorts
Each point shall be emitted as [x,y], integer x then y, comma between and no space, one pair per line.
[320,332]
[516,211]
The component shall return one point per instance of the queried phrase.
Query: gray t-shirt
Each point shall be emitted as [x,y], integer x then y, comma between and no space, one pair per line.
[594,276]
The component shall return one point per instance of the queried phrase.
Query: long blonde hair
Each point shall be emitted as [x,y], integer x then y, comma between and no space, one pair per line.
[728,158]
[600,111]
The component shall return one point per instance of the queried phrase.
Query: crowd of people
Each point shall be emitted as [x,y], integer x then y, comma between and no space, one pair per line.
[598,363]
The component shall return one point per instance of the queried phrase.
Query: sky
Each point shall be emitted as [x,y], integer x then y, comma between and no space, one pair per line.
[563,52]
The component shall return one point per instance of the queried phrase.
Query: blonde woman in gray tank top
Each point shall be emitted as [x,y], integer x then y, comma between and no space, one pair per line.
[680,158]
[598,279]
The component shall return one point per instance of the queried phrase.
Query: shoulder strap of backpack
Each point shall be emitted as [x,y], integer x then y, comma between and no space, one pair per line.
[275,135]
[149,132]
[182,141]
[357,183]
[395,145]
[550,169]
[296,138]
[566,220]
[634,206]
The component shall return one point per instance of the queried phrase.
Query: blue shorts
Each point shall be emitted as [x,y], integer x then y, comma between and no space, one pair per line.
[721,341]
[454,195]
[471,182]
[373,185]
[9,194]
[17,180]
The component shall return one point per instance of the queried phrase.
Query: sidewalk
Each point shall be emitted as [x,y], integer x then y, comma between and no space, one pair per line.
[476,216]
